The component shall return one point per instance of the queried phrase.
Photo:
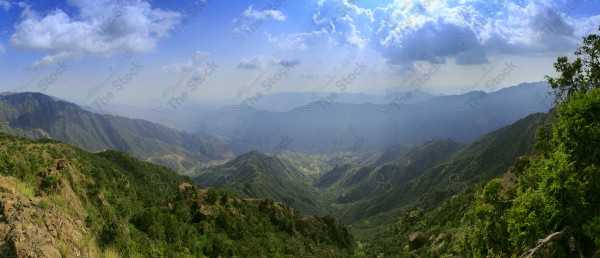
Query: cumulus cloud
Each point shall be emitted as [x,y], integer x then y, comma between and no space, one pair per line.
[251,13]
[434,41]
[54,58]
[98,28]
[296,41]
[466,31]
[538,27]
[470,33]
[587,26]
[337,25]
[251,19]
[5,5]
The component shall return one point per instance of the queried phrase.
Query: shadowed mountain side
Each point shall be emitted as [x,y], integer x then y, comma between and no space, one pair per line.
[257,175]
[35,115]
[394,186]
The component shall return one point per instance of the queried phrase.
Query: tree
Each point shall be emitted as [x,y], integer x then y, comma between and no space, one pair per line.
[211,197]
[564,201]
[578,129]
[555,208]
[579,75]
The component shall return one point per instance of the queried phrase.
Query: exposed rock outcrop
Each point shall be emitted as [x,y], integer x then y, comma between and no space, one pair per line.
[416,240]
[33,227]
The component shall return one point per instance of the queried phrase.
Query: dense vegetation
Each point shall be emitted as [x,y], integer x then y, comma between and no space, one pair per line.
[257,175]
[425,176]
[139,208]
[546,205]
[368,192]
[498,196]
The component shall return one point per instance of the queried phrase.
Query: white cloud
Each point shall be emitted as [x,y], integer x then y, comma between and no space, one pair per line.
[339,25]
[251,19]
[347,33]
[100,28]
[587,26]
[470,33]
[300,40]
[467,31]
[251,13]
[54,58]
[2,49]
[6,5]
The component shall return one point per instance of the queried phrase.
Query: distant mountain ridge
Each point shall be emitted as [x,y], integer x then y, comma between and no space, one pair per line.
[286,101]
[330,126]
[429,174]
[35,115]
[376,186]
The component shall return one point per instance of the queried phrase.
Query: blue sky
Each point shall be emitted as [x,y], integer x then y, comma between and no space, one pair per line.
[138,51]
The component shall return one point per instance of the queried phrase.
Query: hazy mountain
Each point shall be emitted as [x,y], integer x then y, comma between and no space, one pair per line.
[257,175]
[327,127]
[538,206]
[359,185]
[286,101]
[188,111]
[430,173]
[440,154]
[384,155]
[376,185]
[35,115]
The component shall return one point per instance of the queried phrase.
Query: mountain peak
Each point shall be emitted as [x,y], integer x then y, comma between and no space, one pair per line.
[36,115]
[251,155]
[30,100]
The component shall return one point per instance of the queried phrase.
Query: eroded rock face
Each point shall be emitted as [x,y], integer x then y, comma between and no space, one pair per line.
[32,227]
[50,178]
[416,240]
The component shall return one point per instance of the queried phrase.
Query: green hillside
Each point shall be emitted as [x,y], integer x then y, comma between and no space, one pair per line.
[369,197]
[545,205]
[367,192]
[137,208]
[34,115]
[257,175]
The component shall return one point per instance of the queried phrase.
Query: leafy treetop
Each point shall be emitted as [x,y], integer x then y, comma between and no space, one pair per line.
[579,75]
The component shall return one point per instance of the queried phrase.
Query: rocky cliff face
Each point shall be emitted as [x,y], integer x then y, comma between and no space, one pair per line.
[32,227]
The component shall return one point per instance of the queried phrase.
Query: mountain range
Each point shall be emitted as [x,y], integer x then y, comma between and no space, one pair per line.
[327,167]
[326,126]
[61,201]
[260,176]
[377,185]
[35,115]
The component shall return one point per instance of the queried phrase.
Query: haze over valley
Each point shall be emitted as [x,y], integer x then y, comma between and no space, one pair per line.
[325,128]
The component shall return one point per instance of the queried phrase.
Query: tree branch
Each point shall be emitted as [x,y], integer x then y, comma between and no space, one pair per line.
[542,242]
[596,254]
